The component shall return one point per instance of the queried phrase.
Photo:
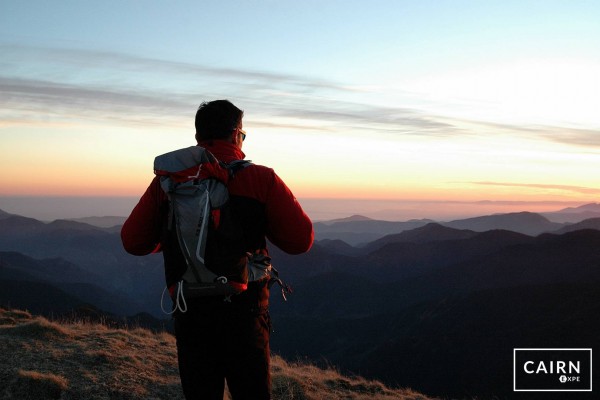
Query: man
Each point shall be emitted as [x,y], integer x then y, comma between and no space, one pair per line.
[220,340]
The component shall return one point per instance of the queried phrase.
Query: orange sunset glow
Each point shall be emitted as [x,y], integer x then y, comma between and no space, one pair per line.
[408,120]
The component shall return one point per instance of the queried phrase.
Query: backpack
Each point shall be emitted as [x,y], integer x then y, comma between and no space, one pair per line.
[209,238]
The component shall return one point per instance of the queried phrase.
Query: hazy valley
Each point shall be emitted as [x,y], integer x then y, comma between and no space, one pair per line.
[437,306]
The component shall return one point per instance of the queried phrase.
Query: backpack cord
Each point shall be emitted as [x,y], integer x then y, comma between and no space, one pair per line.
[285,288]
[178,296]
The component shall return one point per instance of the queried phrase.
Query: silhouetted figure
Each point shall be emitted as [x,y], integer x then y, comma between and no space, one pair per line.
[224,338]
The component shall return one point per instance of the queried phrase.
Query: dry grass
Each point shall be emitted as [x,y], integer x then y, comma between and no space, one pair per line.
[40,359]
[33,385]
[301,381]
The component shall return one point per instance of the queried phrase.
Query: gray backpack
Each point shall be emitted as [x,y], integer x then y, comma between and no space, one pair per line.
[196,185]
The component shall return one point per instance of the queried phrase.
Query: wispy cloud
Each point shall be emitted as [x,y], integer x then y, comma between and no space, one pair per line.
[573,136]
[582,137]
[67,84]
[568,188]
[37,100]
[107,85]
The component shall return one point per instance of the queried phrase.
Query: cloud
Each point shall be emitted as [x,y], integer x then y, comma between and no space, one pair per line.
[66,84]
[573,136]
[108,85]
[569,188]
[37,100]
[581,137]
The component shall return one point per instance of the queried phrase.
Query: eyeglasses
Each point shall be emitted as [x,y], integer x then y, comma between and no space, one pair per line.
[243,133]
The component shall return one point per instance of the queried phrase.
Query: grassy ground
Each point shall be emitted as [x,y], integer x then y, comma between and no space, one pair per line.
[41,359]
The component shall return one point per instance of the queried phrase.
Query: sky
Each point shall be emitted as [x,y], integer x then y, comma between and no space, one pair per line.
[394,108]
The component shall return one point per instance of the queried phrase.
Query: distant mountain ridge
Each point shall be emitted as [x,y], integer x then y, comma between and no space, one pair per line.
[4,214]
[24,280]
[574,214]
[360,223]
[97,251]
[358,231]
[352,218]
[592,223]
[591,207]
[102,222]
[522,222]
[432,300]
[430,232]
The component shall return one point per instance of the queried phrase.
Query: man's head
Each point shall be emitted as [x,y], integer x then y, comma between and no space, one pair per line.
[218,119]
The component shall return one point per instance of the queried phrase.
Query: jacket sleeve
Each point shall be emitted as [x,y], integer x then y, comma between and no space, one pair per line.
[141,232]
[288,226]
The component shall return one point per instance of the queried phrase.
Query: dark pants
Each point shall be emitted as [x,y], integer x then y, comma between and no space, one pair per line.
[222,342]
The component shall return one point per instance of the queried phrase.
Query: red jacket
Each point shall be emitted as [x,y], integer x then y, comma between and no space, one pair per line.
[274,211]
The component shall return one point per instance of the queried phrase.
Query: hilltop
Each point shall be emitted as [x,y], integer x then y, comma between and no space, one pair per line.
[42,359]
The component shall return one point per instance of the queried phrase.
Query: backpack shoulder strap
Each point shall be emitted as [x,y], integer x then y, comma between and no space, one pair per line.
[235,166]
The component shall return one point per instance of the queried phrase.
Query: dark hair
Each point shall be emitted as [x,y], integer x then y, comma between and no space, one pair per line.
[217,120]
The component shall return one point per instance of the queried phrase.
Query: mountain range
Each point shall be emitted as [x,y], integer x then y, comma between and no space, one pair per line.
[574,214]
[77,258]
[450,309]
[436,306]
[358,230]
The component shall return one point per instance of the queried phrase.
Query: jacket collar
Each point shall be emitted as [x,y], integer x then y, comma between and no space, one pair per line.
[224,151]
